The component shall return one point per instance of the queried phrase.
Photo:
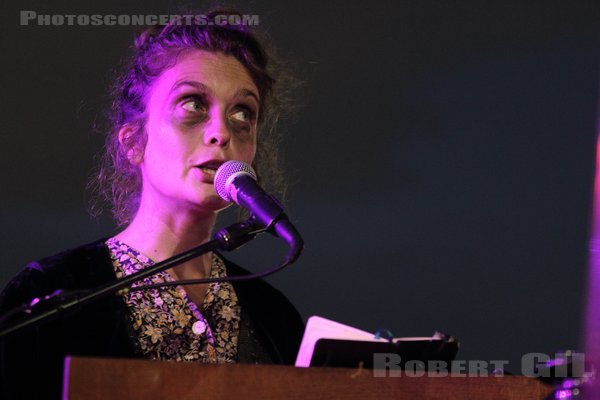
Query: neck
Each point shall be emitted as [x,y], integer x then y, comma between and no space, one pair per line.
[161,232]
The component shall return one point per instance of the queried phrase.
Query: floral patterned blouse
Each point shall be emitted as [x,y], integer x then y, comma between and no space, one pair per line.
[167,324]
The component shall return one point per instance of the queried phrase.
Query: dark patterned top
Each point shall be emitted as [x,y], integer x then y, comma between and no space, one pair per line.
[167,324]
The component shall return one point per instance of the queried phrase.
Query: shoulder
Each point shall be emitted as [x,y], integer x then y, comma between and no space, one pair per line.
[257,293]
[77,268]
[271,312]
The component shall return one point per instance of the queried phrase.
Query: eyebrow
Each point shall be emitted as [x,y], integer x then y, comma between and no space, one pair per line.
[195,84]
[247,93]
[203,88]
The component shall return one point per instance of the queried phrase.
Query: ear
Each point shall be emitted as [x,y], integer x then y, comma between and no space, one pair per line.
[133,149]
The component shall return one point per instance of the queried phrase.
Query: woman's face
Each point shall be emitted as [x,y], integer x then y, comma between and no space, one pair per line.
[201,113]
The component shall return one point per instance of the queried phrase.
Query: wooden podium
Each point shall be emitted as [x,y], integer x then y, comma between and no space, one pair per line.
[97,378]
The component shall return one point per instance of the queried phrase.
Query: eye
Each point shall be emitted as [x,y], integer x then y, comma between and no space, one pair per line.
[192,105]
[242,116]
[243,113]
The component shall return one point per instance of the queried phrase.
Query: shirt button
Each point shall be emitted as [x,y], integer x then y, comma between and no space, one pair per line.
[199,327]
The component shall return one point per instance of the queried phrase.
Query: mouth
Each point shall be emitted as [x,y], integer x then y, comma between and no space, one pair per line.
[209,169]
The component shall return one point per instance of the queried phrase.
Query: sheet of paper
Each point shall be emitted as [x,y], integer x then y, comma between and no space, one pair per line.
[318,328]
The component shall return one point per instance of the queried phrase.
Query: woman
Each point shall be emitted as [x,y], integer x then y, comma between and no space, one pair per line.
[193,97]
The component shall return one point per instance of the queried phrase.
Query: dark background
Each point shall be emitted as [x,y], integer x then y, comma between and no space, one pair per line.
[441,164]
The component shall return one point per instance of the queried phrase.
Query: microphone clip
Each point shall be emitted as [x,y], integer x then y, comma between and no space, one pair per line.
[236,235]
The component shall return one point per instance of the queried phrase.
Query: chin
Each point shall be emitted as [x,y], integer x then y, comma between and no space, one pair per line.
[213,202]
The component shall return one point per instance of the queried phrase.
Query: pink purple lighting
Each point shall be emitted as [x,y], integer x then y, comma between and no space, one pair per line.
[66,371]
[592,324]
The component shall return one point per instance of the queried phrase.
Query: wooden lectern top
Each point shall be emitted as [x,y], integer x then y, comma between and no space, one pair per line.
[104,378]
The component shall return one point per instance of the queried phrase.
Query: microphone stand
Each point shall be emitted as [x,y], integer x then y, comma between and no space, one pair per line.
[228,239]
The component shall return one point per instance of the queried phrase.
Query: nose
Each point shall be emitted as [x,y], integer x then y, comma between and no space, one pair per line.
[216,130]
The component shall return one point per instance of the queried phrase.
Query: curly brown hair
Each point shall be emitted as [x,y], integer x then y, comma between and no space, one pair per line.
[156,48]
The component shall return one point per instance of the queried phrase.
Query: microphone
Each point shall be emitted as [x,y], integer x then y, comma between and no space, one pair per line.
[235,181]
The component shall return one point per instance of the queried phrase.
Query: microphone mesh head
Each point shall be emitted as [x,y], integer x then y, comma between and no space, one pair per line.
[226,171]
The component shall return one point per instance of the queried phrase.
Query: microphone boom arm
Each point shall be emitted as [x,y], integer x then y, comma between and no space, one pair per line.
[227,239]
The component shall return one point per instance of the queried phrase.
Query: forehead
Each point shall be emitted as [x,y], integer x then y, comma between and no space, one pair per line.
[223,75]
